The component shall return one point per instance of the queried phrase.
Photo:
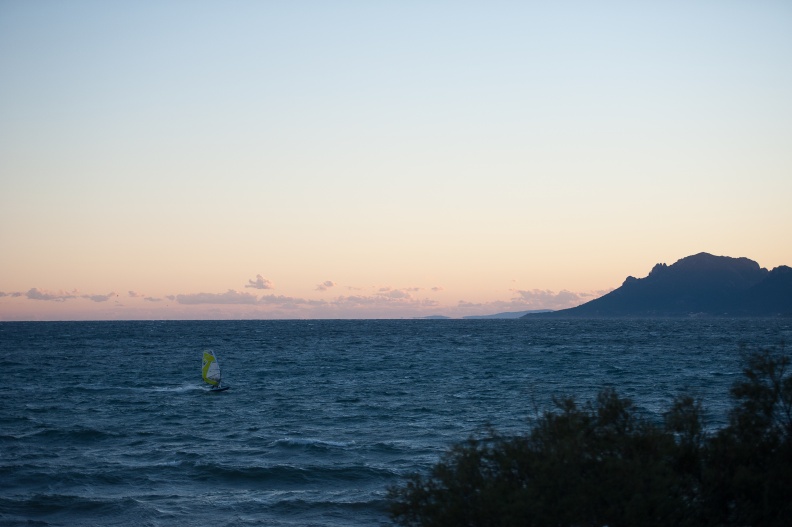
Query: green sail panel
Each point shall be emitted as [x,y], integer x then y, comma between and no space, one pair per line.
[210,369]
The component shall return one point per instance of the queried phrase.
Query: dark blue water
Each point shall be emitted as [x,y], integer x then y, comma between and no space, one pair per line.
[107,423]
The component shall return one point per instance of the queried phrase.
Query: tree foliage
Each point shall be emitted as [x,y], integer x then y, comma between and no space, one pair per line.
[747,475]
[603,464]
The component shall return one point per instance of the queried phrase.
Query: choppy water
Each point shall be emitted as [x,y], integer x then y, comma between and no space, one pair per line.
[107,423]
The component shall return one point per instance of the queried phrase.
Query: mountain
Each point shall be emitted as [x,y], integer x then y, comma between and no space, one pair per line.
[506,315]
[698,285]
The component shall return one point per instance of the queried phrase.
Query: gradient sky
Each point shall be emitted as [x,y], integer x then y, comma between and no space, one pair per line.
[235,159]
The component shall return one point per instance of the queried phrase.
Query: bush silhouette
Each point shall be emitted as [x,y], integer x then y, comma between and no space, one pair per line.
[747,474]
[603,464]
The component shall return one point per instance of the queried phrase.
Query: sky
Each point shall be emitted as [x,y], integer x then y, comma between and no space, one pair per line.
[356,159]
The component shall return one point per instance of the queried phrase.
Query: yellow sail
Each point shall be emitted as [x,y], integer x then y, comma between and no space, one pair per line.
[210,369]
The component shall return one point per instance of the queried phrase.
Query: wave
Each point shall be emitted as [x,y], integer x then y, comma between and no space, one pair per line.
[184,388]
[53,504]
[78,435]
[341,507]
[69,437]
[309,507]
[41,409]
[349,400]
[69,509]
[312,443]
[286,474]
[52,476]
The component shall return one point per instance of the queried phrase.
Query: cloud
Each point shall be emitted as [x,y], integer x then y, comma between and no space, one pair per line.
[546,299]
[595,294]
[356,301]
[524,300]
[229,297]
[260,283]
[403,293]
[99,298]
[289,302]
[37,294]
[469,305]
[368,302]
[134,294]
[386,296]
[395,294]
[379,303]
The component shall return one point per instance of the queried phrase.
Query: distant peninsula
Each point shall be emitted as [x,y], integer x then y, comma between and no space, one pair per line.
[506,315]
[702,285]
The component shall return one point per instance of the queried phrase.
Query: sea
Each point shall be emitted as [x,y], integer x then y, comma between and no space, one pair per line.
[108,423]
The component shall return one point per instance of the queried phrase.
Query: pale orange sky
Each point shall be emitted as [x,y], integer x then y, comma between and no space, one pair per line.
[352,160]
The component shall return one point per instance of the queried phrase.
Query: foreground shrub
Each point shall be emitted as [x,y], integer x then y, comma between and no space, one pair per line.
[747,477]
[603,464]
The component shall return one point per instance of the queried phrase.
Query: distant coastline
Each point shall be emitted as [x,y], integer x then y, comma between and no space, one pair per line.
[506,315]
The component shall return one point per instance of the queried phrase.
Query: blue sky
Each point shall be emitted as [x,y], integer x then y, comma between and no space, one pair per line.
[422,158]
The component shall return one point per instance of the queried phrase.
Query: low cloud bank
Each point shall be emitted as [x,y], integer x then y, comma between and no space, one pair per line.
[229,297]
[47,296]
[371,302]
[534,299]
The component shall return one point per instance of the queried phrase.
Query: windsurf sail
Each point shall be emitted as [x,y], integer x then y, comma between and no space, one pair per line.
[210,369]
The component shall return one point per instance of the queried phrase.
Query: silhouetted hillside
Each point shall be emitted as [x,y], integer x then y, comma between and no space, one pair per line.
[698,285]
[507,314]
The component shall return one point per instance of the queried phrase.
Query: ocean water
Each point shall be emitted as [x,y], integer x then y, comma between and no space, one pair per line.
[107,423]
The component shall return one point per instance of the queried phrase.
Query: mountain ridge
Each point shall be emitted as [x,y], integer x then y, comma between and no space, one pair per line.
[698,285]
